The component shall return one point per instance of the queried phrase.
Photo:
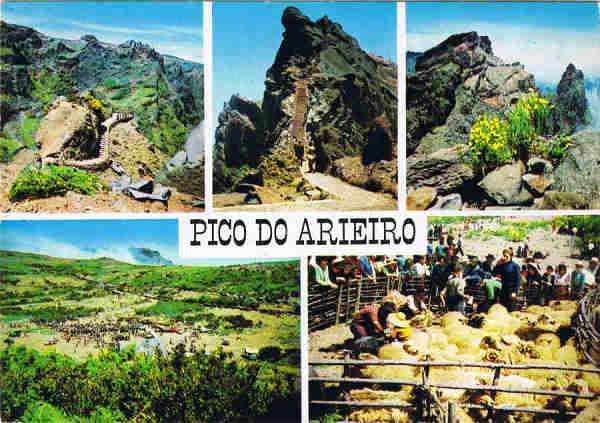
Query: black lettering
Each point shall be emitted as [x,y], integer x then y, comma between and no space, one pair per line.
[359,237]
[373,221]
[411,223]
[260,241]
[305,230]
[226,223]
[239,224]
[212,223]
[197,232]
[326,231]
[278,224]
[343,241]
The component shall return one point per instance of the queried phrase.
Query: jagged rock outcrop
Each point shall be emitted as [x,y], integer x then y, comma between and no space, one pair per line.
[580,170]
[322,91]
[452,85]
[570,106]
[239,138]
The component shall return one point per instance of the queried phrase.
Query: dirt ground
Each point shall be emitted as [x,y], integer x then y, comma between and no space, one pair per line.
[80,203]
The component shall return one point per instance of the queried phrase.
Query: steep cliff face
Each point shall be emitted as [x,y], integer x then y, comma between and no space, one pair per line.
[453,83]
[571,104]
[322,90]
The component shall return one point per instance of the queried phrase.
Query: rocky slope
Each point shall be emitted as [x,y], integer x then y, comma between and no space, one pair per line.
[98,80]
[322,90]
[450,86]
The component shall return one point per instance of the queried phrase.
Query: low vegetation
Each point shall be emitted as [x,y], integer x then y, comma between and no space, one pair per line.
[525,133]
[53,180]
[120,387]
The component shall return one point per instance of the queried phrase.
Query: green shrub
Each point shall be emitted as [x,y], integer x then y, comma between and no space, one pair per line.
[29,130]
[527,121]
[127,387]
[53,180]
[494,142]
[8,148]
[488,144]
[49,84]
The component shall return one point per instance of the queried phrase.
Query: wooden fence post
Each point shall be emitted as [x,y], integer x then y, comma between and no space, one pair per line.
[339,305]
[451,412]
[358,295]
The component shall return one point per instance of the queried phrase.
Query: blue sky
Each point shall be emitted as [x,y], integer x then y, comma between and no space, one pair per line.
[170,27]
[246,37]
[545,37]
[98,238]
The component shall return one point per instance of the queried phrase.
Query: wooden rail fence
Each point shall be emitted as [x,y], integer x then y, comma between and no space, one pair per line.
[429,409]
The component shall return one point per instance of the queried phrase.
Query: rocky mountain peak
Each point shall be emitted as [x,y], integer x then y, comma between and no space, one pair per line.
[465,49]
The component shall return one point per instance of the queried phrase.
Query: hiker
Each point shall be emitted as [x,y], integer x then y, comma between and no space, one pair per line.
[459,246]
[371,320]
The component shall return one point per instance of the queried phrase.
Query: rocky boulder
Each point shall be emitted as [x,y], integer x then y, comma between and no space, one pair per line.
[554,200]
[421,198]
[537,184]
[443,170]
[449,202]
[69,126]
[570,106]
[580,170]
[505,185]
[139,158]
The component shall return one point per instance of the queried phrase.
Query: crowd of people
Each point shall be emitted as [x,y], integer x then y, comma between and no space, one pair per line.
[451,276]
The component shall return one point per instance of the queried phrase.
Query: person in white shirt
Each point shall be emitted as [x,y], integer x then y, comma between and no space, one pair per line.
[563,282]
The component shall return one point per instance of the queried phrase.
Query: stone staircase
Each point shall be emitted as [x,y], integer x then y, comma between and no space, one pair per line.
[103,158]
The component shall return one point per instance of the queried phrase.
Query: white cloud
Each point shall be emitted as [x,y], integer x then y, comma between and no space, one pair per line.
[545,52]
[62,249]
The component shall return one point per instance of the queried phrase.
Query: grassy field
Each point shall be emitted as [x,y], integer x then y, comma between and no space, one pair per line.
[216,310]
[40,289]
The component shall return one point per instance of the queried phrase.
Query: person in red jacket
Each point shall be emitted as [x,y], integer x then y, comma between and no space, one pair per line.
[372,320]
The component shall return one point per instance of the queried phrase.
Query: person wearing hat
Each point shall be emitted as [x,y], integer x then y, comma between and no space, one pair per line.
[577,281]
[488,264]
[510,274]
